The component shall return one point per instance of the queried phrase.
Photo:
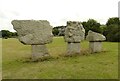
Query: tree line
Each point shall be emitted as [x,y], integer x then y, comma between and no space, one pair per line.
[7,34]
[111,29]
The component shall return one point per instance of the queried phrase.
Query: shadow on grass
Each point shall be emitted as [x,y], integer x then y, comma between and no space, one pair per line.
[84,52]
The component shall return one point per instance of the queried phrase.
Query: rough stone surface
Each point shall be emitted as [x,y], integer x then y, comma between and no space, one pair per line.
[39,51]
[33,32]
[74,32]
[93,36]
[95,41]
[95,47]
[73,48]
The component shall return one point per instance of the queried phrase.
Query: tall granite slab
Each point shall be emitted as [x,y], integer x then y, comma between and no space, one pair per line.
[74,34]
[95,41]
[36,33]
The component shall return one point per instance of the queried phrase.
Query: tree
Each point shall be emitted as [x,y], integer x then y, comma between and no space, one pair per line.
[93,25]
[6,33]
[112,30]
[55,31]
[14,34]
[103,28]
[0,34]
[59,30]
[114,20]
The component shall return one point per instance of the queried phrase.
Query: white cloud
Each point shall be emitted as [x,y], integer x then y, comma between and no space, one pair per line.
[56,11]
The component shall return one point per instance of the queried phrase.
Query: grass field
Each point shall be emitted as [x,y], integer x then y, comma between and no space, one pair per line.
[102,65]
[0,58]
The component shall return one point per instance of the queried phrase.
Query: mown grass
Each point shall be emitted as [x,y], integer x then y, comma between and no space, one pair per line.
[0,58]
[102,65]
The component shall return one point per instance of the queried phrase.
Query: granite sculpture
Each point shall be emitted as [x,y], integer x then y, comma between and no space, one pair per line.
[74,34]
[36,33]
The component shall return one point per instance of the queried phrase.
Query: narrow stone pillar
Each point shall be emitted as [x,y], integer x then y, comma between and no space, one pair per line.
[39,51]
[95,47]
[73,48]
[95,41]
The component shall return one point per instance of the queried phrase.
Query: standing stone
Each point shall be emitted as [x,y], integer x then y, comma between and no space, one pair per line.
[95,41]
[39,51]
[74,33]
[95,46]
[36,33]
[73,48]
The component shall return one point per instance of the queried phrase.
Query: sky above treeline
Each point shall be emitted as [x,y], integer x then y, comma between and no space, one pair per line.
[57,12]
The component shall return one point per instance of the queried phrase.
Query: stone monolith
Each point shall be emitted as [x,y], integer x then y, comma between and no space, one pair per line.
[74,33]
[95,41]
[36,33]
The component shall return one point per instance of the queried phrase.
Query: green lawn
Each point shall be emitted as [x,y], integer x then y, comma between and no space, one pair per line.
[102,65]
[0,58]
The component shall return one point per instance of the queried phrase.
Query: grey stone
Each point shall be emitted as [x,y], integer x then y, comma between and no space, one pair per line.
[95,47]
[73,48]
[93,36]
[74,34]
[95,41]
[39,51]
[36,33]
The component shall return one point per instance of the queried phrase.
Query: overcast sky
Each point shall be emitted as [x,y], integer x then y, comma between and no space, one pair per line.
[57,12]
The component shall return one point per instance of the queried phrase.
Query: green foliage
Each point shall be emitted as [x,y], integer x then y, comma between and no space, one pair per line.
[55,31]
[7,34]
[112,30]
[93,25]
[0,34]
[58,31]
[14,34]
[103,28]
[114,20]
[113,33]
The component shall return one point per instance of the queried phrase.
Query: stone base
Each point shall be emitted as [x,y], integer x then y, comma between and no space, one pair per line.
[73,48]
[39,51]
[95,47]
